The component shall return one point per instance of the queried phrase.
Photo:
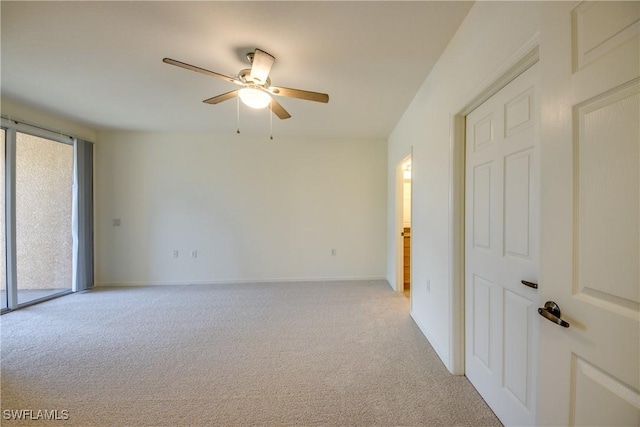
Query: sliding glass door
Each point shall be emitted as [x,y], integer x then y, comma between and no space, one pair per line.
[44,240]
[41,253]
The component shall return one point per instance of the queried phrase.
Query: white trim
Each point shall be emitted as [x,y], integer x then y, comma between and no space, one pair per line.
[240,281]
[521,60]
[456,245]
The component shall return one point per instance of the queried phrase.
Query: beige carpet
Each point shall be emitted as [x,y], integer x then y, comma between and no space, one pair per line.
[330,353]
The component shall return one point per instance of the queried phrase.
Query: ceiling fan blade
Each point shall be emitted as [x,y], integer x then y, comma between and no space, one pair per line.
[218,99]
[279,110]
[198,69]
[300,94]
[261,66]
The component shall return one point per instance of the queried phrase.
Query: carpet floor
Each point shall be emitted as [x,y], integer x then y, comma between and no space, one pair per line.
[274,354]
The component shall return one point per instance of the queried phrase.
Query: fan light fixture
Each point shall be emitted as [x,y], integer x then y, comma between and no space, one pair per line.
[257,82]
[254,98]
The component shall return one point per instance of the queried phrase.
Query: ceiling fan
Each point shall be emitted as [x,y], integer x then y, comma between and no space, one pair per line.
[257,90]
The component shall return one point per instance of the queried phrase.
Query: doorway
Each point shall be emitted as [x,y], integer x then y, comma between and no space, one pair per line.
[403,225]
[406,227]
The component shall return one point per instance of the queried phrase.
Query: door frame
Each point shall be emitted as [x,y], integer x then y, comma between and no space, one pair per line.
[399,226]
[521,60]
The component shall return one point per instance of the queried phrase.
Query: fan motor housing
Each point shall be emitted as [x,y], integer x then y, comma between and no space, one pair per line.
[243,76]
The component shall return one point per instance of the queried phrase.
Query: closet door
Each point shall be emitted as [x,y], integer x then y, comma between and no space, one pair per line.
[590,265]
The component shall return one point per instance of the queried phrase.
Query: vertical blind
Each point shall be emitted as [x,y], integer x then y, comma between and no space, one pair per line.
[83,216]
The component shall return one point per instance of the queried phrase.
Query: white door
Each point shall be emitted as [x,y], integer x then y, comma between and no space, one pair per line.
[501,249]
[590,200]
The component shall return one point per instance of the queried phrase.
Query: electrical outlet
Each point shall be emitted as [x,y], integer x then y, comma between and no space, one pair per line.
[175,253]
[116,222]
[194,254]
[333,252]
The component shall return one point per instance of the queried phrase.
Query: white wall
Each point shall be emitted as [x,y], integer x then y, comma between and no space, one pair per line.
[255,210]
[491,33]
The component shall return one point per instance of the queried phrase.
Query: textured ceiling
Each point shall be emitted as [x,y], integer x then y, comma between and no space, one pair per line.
[100,63]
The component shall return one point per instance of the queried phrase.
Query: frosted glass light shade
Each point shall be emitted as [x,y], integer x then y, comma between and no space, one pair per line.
[254,98]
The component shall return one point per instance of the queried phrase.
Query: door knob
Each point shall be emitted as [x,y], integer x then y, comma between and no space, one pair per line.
[551,312]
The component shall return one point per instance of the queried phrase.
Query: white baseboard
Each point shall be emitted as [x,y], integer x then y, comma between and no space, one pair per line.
[238,281]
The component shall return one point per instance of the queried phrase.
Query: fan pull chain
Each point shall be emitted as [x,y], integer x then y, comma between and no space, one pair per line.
[271,119]
[238,113]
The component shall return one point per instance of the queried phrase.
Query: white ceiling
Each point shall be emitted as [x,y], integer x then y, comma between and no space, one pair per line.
[100,63]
